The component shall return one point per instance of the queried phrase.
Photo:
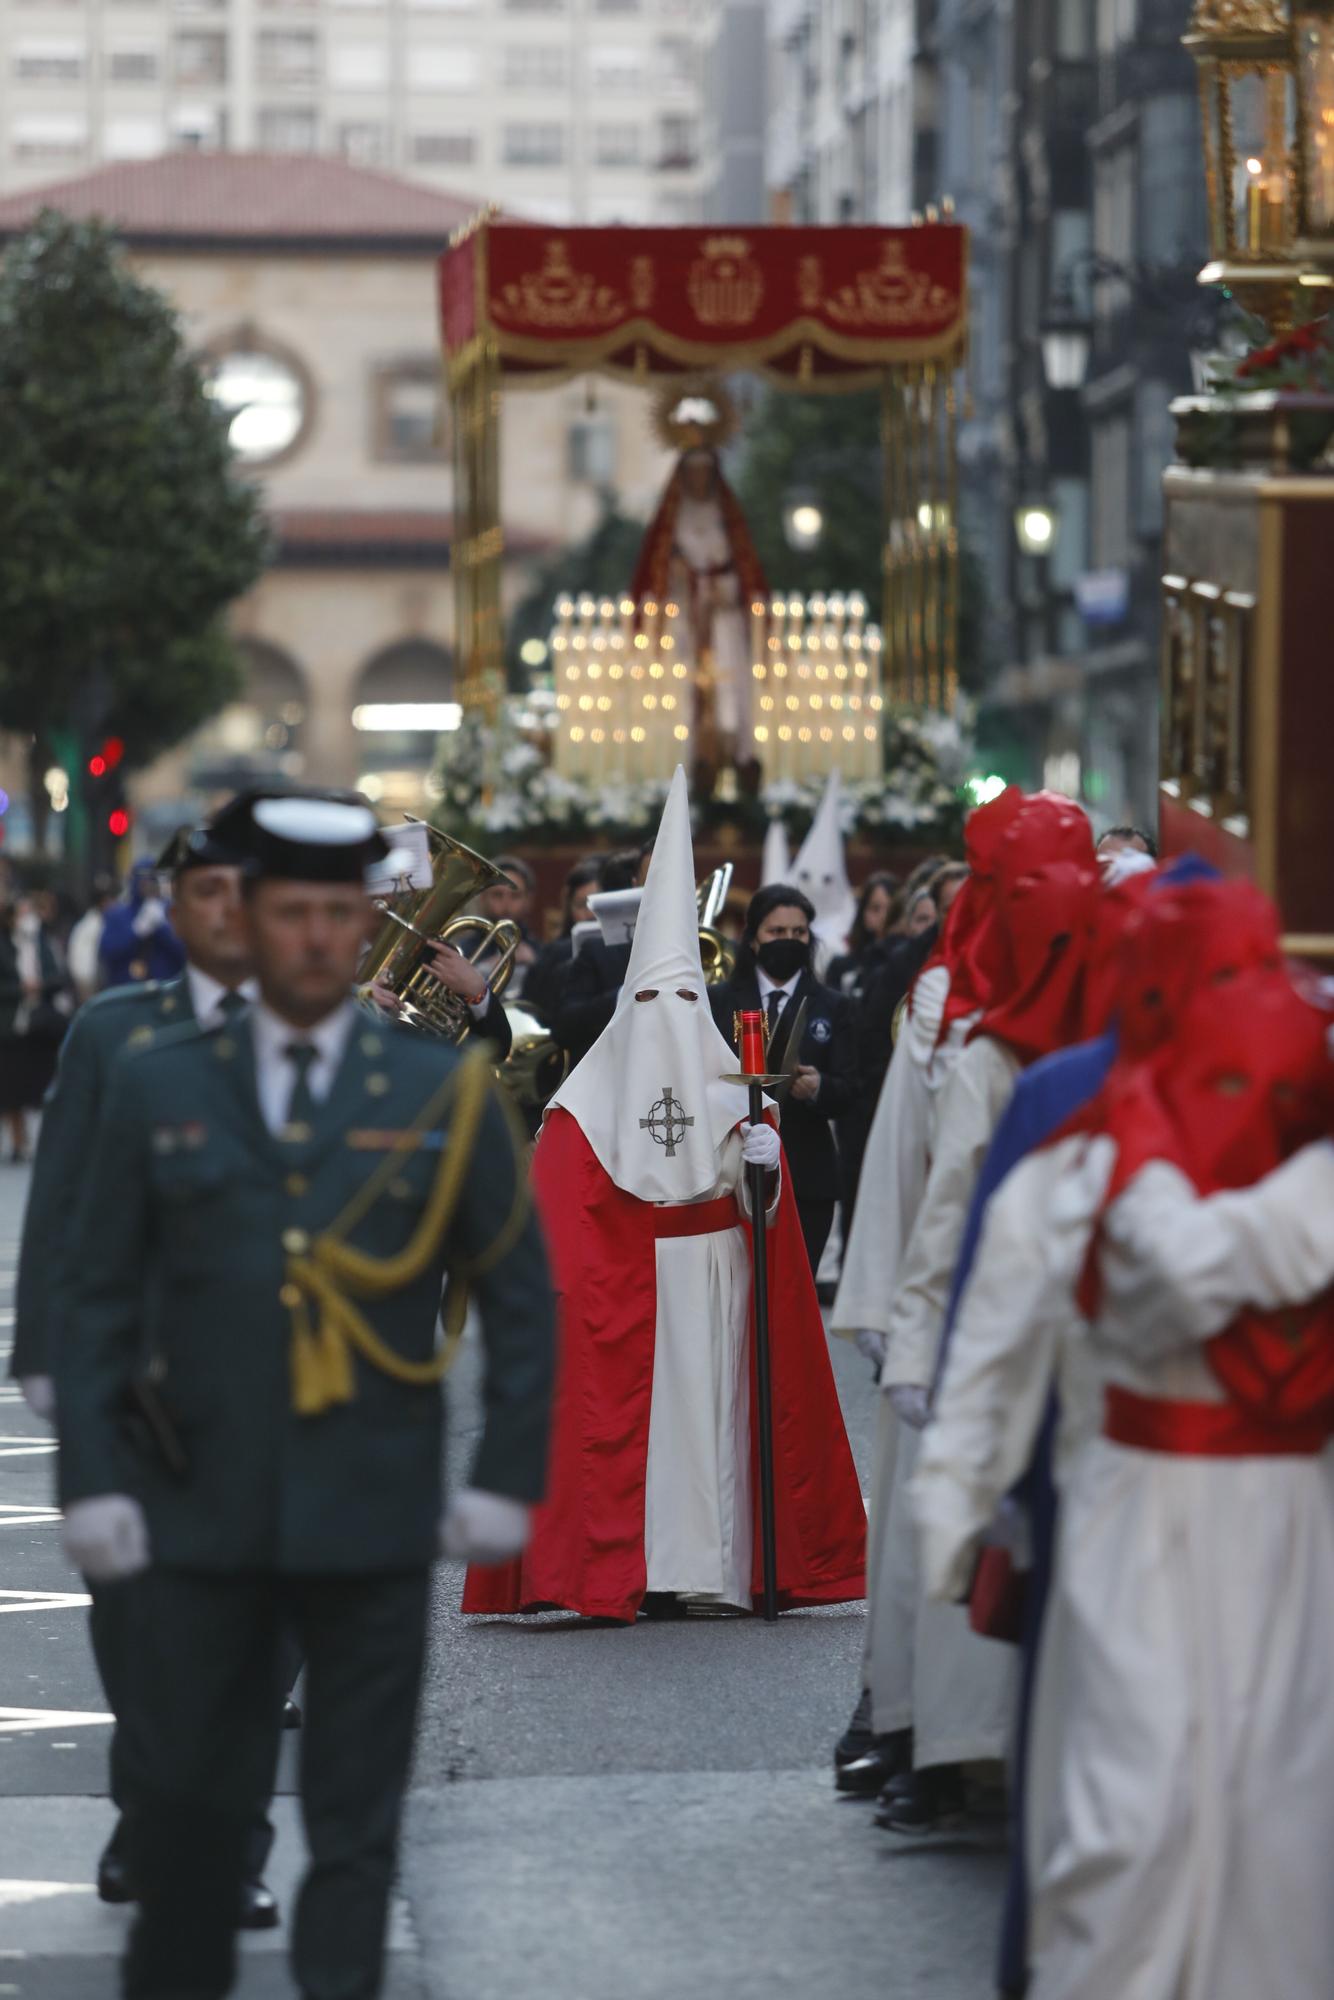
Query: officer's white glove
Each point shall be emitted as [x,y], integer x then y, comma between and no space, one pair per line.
[484,1528]
[106,1538]
[152,914]
[871,1344]
[912,1406]
[760,1147]
[39,1393]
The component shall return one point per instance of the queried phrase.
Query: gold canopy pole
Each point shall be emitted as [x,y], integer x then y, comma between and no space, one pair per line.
[479,541]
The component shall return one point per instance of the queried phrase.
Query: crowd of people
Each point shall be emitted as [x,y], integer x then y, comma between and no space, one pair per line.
[1076,1110]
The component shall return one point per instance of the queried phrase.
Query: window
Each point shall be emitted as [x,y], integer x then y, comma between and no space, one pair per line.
[616,69]
[1074,30]
[678,62]
[288,128]
[616,145]
[53,61]
[1156,448]
[57,135]
[359,65]
[199,56]
[677,143]
[534,6]
[198,128]
[132,138]
[534,145]
[264,398]
[289,55]
[443,149]
[592,451]
[615,6]
[1111,493]
[132,65]
[440,67]
[408,413]
[365,143]
[1171,189]
[539,67]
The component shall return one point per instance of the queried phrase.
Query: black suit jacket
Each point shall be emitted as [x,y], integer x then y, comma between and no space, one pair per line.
[589,997]
[829,1045]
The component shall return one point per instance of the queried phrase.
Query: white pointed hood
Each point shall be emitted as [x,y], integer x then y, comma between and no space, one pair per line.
[776,861]
[821,870]
[648,1095]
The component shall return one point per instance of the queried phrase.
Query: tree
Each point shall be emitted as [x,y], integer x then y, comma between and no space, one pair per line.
[125,530]
[828,447]
[599,566]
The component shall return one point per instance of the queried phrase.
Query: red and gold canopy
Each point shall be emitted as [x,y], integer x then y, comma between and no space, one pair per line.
[810,308]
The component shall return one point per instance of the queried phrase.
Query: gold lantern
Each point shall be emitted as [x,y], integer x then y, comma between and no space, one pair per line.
[1254,146]
[1313,50]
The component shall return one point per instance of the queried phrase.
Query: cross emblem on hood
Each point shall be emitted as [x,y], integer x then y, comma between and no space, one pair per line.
[666,1123]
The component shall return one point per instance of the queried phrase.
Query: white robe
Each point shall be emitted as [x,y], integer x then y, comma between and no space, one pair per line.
[1181,1804]
[698,1527]
[928,1669]
[704,545]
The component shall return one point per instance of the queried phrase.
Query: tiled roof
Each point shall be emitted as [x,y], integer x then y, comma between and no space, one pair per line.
[331,535]
[252,198]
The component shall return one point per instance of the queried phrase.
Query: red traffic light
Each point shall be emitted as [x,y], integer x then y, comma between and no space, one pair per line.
[118,823]
[112,752]
[97,767]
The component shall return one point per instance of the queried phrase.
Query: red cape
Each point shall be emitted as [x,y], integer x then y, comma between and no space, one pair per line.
[587,1550]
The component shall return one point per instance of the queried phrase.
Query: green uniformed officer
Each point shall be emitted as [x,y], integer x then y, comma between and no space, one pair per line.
[271,1214]
[207,918]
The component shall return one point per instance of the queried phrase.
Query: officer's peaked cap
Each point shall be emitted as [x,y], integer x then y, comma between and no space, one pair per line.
[302,836]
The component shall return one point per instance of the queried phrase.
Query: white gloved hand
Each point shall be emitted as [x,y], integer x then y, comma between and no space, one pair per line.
[912,1406]
[39,1393]
[760,1146]
[106,1538]
[871,1344]
[485,1528]
[151,916]
[1012,1530]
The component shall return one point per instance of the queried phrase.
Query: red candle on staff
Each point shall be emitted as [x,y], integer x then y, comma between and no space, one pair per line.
[751,1037]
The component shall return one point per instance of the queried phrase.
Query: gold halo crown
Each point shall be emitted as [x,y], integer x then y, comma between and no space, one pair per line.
[689,414]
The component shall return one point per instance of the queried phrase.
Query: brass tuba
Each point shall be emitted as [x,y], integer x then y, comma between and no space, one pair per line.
[717,953]
[416,919]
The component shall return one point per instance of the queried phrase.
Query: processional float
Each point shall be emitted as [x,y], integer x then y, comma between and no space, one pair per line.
[812,311]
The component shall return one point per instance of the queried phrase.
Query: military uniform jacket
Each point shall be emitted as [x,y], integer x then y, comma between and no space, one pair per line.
[192,1210]
[49,1251]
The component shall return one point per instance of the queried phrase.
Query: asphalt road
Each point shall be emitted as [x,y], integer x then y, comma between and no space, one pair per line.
[596,1815]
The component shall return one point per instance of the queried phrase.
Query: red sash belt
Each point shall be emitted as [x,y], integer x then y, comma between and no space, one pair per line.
[1206,1430]
[697,1218]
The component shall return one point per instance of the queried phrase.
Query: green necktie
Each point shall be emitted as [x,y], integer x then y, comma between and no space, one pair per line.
[301,1104]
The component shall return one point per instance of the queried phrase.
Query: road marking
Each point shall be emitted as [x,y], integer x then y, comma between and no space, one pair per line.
[26,1447]
[44,1600]
[14,1721]
[27,1517]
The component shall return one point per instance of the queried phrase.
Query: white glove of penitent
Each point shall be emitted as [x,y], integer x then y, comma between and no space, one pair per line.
[151,916]
[912,1406]
[39,1393]
[106,1538]
[871,1345]
[484,1528]
[760,1147]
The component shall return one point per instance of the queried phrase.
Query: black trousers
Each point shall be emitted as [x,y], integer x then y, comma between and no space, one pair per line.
[816,1219]
[205,1661]
[109,1623]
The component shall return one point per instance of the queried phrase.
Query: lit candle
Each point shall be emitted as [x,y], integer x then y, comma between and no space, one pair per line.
[1255,200]
[754,1059]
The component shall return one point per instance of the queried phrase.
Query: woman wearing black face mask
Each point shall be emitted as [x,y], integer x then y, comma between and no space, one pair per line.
[773,974]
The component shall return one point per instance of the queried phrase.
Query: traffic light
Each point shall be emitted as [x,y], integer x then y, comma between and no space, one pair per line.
[118,822]
[109,814]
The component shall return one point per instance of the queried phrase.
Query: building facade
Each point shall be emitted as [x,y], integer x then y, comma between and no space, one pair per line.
[563,110]
[309,290]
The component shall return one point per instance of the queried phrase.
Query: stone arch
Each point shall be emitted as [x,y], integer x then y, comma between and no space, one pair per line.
[260,735]
[415,678]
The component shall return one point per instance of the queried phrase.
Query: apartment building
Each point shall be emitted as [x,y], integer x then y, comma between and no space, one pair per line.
[585,111]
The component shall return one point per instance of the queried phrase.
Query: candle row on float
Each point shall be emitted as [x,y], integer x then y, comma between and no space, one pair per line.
[817,701]
[623,697]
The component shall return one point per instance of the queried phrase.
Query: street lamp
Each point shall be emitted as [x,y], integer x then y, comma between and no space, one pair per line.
[1067,340]
[803,520]
[1254,144]
[1035,525]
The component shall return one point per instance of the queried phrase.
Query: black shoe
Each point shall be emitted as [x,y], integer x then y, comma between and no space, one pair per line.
[932,1801]
[259,1908]
[888,1758]
[856,1739]
[662,1606]
[113,1875]
[291,1714]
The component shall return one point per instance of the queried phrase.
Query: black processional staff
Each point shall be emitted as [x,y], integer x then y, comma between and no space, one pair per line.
[752,1041]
